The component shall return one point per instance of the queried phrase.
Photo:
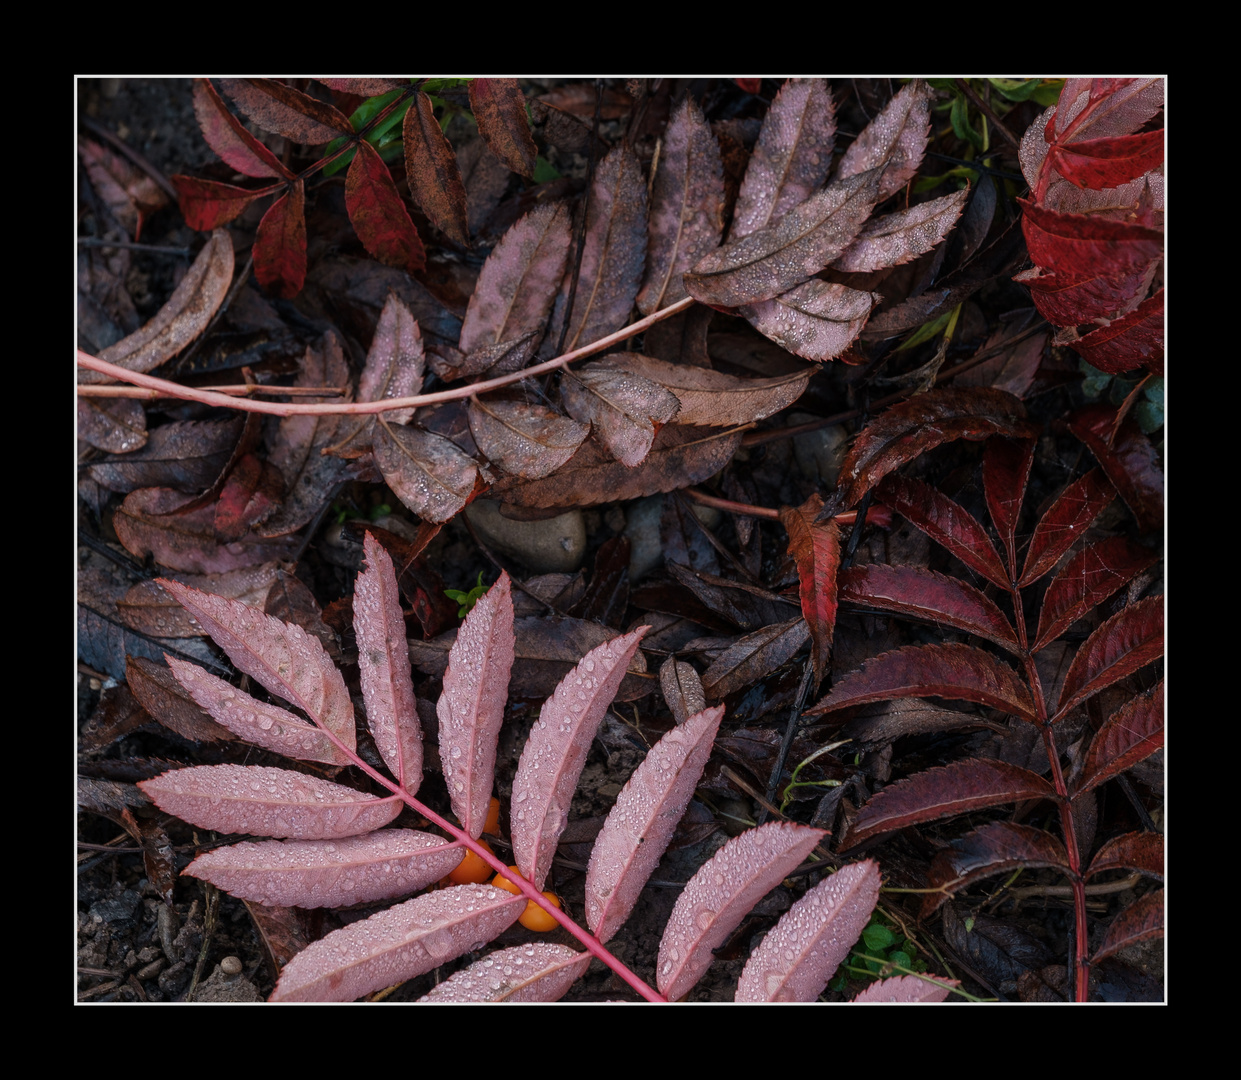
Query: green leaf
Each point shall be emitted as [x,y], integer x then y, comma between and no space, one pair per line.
[961,124]
[544,171]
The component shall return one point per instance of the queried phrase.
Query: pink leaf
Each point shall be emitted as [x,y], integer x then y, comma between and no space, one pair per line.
[720,895]
[398,944]
[537,971]
[268,802]
[555,753]
[264,725]
[895,140]
[905,990]
[897,238]
[813,938]
[471,708]
[383,664]
[640,826]
[330,873]
[286,660]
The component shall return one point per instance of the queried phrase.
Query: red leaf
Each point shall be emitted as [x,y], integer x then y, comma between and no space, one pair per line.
[993,849]
[280,244]
[720,894]
[946,522]
[431,166]
[330,873]
[500,109]
[471,708]
[227,136]
[1129,735]
[383,666]
[555,753]
[1005,472]
[910,428]
[792,157]
[816,550]
[1107,162]
[1087,579]
[1133,340]
[924,594]
[286,660]
[1141,920]
[640,825]
[944,792]
[378,215]
[1065,523]
[536,971]
[1129,640]
[687,207]
[950,671]
[1128,458]
[269,802]
[398,944]
[206,204]
[1132,851]
[813,938]
[288,112]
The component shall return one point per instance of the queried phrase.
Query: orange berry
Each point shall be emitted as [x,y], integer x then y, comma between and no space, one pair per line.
[501,882]
[472,870]
[492,824]
[536,919]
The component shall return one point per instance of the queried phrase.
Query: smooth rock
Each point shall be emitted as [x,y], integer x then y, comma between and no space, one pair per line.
[556,545]
[819,453]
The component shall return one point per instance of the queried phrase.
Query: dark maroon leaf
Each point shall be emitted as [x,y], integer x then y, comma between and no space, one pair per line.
[687,207]
[947,523]
[280,244]
[1087,579]
[1066,521]
[500,109]
[998,949]
[944,792]
[1005,473]
[227,136]
[431,166]
[816,550]
[994,849]
[1129,640]
[1132,851]
[924,594]
[116,425]
[1129,735]
[792,157]
[771,261]
[912,427]
[186,454]
[207,204]
[1141,920]
[752,656]
[950,671]
[1128,458]
[378,215]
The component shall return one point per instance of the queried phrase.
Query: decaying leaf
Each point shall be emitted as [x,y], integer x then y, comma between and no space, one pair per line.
[430,474]
[624,410]
[526,440]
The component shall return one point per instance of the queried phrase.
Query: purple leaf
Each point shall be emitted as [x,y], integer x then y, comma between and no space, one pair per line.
[537,971]
[640,826]
[286,660]
[894,141]
[720,895]
[817,320]
[471,708]
[330,873]
[398,944]
[555,753]
[894,239]
[268,802]
[813,938]
[384,668]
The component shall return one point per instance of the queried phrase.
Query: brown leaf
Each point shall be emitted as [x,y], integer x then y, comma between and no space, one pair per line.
[187,455]
[752,656]
[530,441]
[771,261]
[792,157]
[431,166]
[817,320]
[117,425]
[519,280]
[678,457]
[624,410]
[682,689]
[430,474]
[500,109]
[162,696]
[148,607]
[711,397]
[186,314]
[275,107]
[894,141]
[687,207]
[126,190]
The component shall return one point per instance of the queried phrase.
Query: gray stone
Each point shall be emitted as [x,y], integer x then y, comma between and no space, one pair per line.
[556,545]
